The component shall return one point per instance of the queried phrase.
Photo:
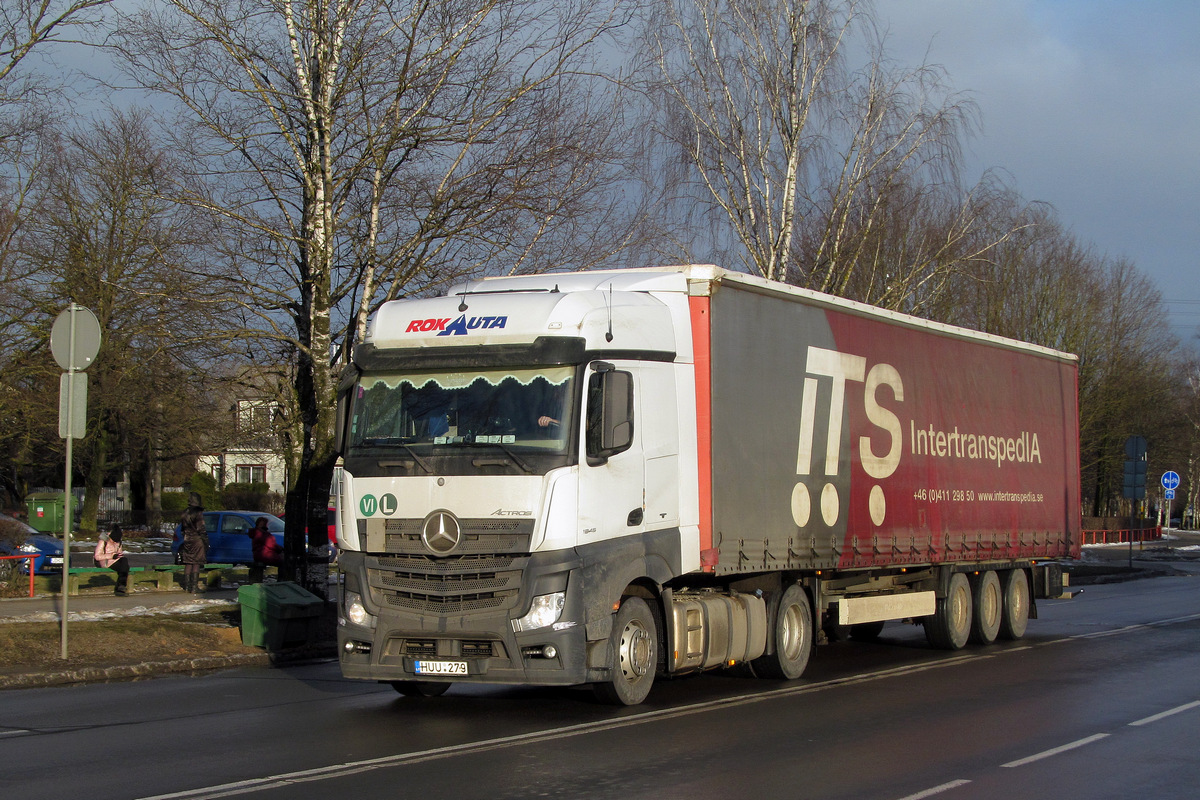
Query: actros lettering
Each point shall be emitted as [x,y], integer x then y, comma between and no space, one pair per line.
[842,369]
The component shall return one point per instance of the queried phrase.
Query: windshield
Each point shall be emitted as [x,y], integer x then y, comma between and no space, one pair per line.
[515,410]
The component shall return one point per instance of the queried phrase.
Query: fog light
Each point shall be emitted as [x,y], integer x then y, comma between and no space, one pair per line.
[549,651]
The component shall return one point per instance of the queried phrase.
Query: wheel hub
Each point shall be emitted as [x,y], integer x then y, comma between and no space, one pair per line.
[637,651]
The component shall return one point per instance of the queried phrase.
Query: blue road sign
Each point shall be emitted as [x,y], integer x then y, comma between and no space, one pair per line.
[1169,494]
[1170,480]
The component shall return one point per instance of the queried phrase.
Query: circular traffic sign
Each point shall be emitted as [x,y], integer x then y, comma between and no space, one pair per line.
[1170,480]
[75,338]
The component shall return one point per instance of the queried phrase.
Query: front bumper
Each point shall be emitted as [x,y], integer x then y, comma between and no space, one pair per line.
[483,640]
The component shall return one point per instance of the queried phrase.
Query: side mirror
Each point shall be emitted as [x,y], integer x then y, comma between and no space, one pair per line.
[345,392]
[610,413]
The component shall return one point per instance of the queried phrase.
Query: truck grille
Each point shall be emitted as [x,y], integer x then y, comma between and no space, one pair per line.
[485,575]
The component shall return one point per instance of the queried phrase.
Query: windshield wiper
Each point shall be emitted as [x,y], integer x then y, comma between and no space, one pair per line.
[408,449]
[520,462]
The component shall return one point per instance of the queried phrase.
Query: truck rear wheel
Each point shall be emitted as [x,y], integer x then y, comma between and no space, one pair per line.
[1014,615]
[793,637]
[988,603]
[633,654]
[949,627]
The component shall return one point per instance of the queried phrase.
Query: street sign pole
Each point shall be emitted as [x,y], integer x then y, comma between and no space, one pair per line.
[1169,480]
[74,342]
[68,514]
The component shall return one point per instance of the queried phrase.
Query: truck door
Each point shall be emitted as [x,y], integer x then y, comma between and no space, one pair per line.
[611,473]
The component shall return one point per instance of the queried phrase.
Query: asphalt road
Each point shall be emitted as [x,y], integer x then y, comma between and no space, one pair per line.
[1101,699]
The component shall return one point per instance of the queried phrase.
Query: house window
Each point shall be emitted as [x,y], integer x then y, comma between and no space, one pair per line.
[251,473]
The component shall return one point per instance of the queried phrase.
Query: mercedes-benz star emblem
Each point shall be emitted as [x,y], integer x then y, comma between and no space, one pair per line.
[441,533]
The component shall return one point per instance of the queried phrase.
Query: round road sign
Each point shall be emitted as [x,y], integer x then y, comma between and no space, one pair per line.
[1170,480]
[80,325]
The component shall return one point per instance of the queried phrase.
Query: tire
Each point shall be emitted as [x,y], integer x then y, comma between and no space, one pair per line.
[633,655]
[988,602]
[420,688]
[949,627]
[866,631]
[1014,613]
[793,628]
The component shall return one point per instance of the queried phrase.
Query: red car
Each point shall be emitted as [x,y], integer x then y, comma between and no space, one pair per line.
[332,519]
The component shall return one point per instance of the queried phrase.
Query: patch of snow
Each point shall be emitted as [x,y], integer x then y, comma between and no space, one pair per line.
[182,607]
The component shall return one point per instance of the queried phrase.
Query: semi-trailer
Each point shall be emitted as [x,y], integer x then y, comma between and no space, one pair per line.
[597,478]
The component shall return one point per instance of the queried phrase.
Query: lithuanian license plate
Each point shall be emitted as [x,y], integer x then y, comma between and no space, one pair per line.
[441,667]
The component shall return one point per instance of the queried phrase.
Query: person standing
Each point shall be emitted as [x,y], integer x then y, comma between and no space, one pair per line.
[266,551]
[194,550]
[109,553]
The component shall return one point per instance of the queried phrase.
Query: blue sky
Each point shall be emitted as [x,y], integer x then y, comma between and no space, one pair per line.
[1090,105]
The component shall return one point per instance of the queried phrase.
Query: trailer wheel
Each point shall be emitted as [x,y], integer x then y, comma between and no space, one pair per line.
[633,649]
[949,627]
[793,637]
[1014,615]
[420,688]
[988,603]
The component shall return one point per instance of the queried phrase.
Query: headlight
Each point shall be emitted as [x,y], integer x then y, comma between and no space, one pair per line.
[545,611]
[29,548]
[356,612]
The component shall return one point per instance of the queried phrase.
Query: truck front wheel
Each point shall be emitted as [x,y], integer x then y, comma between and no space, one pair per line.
[949,626]
[633,655]
[793,637]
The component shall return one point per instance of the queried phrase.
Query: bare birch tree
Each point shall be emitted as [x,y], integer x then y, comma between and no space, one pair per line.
[802,156]
[358,150]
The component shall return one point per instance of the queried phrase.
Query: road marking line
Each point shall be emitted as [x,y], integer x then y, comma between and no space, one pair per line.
[1139,627]
[945,787]
[1168,713]
[1047,753]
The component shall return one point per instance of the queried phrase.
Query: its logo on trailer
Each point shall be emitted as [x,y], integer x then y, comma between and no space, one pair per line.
[458,327]
[843,368]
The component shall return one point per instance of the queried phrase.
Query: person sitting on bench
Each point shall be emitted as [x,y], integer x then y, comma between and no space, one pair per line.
[109,553]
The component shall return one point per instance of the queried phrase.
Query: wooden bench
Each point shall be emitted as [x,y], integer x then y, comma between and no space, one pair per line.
[163,577]
[167,575]
[78,576]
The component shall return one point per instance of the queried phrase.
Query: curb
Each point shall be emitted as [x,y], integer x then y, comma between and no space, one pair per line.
[153,669]
[123,672]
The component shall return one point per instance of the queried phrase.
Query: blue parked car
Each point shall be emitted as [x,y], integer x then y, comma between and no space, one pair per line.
[229,535]
[18,539]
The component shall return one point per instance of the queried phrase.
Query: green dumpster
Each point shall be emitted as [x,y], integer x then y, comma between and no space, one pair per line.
[278,615]
[46,511]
